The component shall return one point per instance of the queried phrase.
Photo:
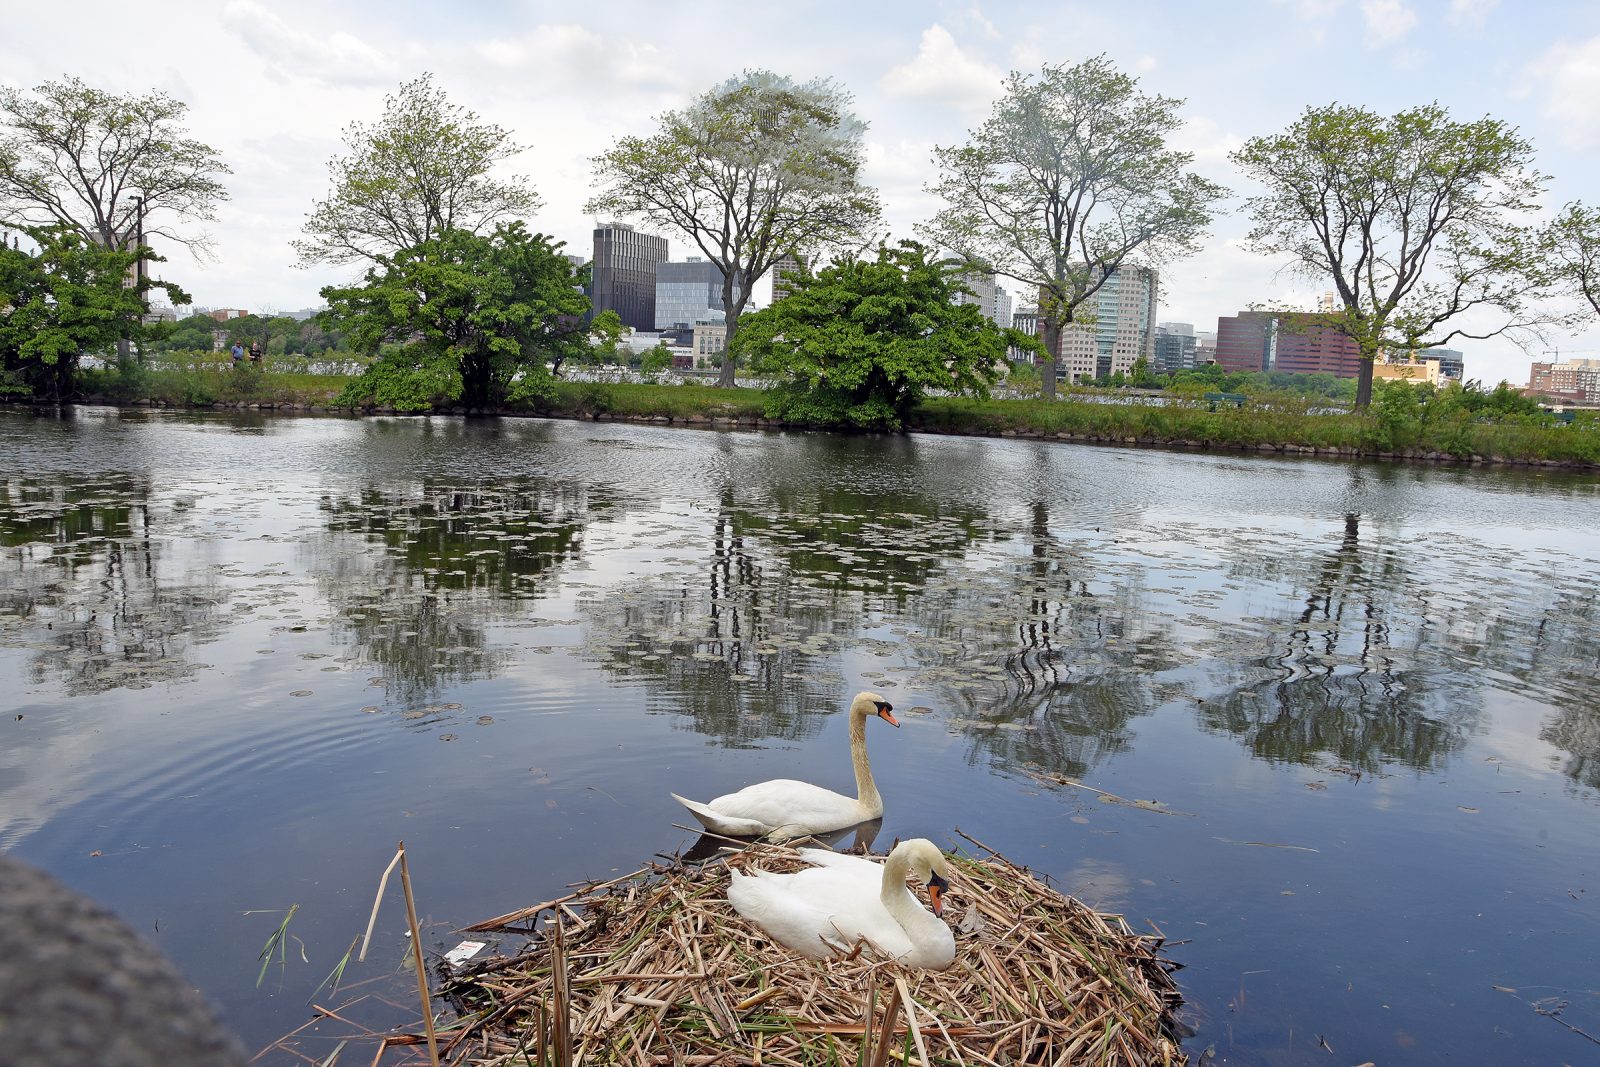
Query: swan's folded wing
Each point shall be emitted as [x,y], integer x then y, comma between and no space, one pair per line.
[719,823]
[783,802]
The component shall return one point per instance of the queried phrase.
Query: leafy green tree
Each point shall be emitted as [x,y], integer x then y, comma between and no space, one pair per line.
[68,297]
[1023,378]
[754,168]
[462,317]
[1413,218]
[862,341]
[194,333]
[1572,241]
[103,165]
[656,360]
[422,170]
[606,333]
[1069,179]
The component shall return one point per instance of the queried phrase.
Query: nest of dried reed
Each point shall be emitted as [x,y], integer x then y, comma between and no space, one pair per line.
[657,968]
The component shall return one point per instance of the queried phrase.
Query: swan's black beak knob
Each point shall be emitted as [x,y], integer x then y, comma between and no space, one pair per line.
[937,888]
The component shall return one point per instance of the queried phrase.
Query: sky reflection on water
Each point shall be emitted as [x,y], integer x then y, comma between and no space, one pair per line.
[250,654]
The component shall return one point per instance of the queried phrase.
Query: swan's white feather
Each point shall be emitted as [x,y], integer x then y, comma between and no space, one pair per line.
[827,908]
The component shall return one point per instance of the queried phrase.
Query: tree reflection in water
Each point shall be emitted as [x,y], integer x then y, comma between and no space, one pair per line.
[1353,676]
[88,589]
[416,577]
[747,644]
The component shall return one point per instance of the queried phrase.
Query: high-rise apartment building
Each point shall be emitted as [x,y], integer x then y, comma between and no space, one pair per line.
[785,269]
[1123,331]
[1575,381]
[688,293]
[1294,342]
[623,274]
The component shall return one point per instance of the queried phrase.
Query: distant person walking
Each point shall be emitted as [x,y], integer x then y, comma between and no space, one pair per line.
[238,353]
[255,352]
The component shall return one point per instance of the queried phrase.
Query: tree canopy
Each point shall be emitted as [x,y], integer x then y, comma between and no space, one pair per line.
[754,168]
[68,297]
[462,317]
[1572,241]
[862,341]
[1068,179]
[77,157]
[1413,218]
[422,170]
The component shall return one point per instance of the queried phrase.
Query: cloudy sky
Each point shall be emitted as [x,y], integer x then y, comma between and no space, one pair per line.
[272,84]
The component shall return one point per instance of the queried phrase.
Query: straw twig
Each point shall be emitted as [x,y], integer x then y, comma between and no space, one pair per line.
[655,967]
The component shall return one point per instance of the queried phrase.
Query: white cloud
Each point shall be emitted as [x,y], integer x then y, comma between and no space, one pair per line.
[1569,76]
[1471,13]
[942,71]
[334,58]
[1387,21]
[577,53]
[980,21]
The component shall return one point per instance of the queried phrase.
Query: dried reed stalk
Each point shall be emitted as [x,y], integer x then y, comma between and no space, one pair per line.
[656,967]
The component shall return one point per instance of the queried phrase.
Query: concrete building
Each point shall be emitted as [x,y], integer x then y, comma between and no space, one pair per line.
[1123,331]
[989,295]
[709,341]
[786,268]
[688,293]
[1574,381]
[1408,370]
[1205,347]
[1175,347]
[623,275]
[1293,342]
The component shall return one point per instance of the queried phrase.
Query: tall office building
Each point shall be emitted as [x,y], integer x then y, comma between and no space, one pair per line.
[1294,342]
[1175,347]
[784,270]
[623,274]
[689,293]
[1123,331]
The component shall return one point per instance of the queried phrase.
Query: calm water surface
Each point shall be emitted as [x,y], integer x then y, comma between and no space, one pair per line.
[1353,711]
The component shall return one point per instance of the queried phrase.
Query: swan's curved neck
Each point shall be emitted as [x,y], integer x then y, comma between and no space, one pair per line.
[866,791]
[897,899]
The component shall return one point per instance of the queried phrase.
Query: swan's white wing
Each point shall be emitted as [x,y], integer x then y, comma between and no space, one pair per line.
[722,824]
[819,907]
[869,871]
[799,807]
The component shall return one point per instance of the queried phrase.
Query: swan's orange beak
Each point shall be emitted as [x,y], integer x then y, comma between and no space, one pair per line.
[936,890]
[884,709]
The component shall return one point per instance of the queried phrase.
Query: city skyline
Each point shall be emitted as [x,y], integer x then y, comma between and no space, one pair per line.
[271,89]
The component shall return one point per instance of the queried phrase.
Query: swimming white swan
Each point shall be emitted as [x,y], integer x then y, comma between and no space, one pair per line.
[787,808]
[825,909]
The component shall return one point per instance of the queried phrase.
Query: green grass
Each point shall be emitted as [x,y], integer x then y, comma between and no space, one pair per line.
[1271,422]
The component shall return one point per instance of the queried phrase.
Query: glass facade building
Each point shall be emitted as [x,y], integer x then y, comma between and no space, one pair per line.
[688,293]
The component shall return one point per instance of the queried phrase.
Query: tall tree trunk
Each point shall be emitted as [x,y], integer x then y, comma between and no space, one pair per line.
[730,314]
[1364,379]
[1047,366]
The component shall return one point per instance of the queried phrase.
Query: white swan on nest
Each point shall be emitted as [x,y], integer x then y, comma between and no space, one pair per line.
[787,808]
[825,909]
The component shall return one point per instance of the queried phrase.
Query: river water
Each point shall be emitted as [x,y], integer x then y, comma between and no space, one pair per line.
[1347,715]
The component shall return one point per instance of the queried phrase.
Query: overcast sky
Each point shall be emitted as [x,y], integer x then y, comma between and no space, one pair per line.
[272,84]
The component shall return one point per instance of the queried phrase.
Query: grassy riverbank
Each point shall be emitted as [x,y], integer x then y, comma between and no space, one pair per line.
[1265,425]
